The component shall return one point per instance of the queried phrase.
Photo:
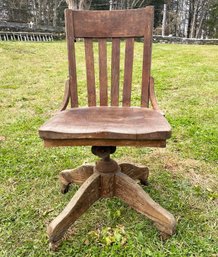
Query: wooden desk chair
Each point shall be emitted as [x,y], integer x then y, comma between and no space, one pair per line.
[108,125]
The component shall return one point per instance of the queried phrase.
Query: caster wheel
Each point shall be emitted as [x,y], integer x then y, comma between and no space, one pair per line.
[144,182]
[65,188]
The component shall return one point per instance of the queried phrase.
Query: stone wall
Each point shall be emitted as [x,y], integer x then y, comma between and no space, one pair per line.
[179,40]
[22,31]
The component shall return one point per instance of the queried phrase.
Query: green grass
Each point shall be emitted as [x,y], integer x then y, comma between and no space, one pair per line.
[183,177]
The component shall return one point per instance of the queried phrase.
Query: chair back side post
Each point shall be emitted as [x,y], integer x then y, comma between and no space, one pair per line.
[71,57]
[146,67]
[114,25]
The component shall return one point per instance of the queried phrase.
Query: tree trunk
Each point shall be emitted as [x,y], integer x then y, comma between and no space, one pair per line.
[190,18]
[164,20]
[202,18]
[84,4]
[193,26]
[72,4]
[55,14]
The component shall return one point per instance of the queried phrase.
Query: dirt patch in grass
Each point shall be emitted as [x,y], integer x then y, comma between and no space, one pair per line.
[2,138]
[196,171]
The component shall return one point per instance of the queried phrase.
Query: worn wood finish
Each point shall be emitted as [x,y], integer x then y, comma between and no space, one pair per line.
[127,86]
[107,123]
[71,58]
[153,98]
[107,185]
[115,71]
[102,25]
[107,168]
[108,181]
[81,201]
[103,72]
[119,23]
[105,142]
[131,193]
[66,96]
[146,67]
[90,71]
[135,172]
[77,176]
[103,152]
[106,127]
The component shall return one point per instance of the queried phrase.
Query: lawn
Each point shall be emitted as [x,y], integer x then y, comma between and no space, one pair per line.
[183,176]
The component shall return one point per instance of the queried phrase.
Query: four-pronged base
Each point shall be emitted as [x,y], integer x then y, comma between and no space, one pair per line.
[108,179]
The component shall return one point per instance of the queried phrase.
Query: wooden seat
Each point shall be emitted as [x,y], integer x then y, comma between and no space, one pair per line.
[114,122]
[107,122]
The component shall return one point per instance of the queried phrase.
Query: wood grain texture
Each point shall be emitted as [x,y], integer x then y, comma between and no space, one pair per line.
[105,179]
[103,72]
[104,142]
[77,176]
[90,71]
[115,71]
[71,57]
[107,168]
[131,193]
[105,126]
[102,25]
[87,194]
[135,172]
[66,96]
[128,68]
[153,98]
[146,67]
[119,23]
[107,123]
[115,25]
[107,185]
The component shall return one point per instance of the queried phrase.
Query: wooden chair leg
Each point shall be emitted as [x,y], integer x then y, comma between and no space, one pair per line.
[131,193]
[77,176]
[87,194]
[135,172]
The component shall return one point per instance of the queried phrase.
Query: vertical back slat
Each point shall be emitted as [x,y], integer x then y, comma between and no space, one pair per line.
[115,71]
[103,72]
[73,29]
[129,51]
[90,71]
[71,57]
[146,67]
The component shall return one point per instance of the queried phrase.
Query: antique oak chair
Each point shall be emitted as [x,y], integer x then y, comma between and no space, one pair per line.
[109,125]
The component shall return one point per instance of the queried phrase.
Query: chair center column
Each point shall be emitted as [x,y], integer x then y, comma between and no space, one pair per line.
[107,169]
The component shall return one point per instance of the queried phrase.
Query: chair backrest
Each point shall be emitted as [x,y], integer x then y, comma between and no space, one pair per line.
[113,25]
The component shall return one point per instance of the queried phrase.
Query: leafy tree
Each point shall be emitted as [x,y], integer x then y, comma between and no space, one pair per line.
[185,18]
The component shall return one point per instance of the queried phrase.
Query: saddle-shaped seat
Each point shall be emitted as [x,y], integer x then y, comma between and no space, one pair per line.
[130,123]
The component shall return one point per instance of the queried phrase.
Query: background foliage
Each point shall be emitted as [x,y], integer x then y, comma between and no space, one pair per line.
[188,18]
